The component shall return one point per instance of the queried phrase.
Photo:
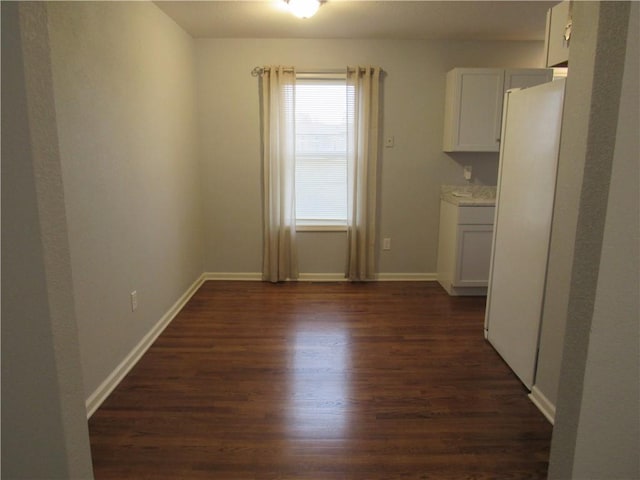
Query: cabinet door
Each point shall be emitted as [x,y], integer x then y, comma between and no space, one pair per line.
[556,47]
[474,255]
[526,77]
[473,110]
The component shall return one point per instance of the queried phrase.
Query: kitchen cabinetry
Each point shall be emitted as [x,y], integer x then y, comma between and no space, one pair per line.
[556,45]
[473,105]
[464,248]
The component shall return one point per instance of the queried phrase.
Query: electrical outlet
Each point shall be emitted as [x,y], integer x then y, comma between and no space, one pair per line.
[386,243]
[389,142]
[467,171]
[134,300]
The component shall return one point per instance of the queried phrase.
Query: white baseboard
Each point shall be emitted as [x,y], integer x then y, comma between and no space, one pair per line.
[322,277]
[406,277]
[104,390]
[547,408]
[325,277]
[240,276]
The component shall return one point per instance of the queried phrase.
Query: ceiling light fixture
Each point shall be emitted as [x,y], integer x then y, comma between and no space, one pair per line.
[303,8]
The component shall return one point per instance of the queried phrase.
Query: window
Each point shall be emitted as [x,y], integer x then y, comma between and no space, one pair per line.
[321,150]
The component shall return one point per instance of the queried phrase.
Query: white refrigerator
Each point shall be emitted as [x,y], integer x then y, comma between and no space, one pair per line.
[530,141]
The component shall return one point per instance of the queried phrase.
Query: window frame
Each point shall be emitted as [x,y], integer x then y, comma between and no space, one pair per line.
[322,225]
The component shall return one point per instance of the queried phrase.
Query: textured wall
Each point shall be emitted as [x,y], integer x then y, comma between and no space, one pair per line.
[565,215]
[596,433]
[44,428]
[608,436]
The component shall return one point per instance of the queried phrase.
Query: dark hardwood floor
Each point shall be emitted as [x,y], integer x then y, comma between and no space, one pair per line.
[321,381]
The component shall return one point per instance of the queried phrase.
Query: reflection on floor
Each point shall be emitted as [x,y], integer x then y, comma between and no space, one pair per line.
[320,388]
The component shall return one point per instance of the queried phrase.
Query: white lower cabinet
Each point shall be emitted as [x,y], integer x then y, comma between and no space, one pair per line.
[464,248]
[474,255]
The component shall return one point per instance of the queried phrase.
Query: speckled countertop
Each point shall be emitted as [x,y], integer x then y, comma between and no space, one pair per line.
[468,195]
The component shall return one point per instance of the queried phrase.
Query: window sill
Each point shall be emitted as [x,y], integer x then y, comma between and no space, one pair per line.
[324,226]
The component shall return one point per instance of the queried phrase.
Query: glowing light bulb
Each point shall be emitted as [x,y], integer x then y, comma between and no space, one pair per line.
[303,8]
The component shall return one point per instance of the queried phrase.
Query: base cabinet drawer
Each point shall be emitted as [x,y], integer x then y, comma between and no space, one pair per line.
[476,215]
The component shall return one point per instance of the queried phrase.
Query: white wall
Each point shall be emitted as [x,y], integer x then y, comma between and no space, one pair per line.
[44,428]
[567,203]
[124,95]
[608,437]
[412,171]
[597,428]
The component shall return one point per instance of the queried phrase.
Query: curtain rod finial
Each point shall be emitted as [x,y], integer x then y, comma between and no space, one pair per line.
[257,71]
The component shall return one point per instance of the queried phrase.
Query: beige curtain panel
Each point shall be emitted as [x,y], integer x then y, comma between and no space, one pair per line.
[363,91]
[278,137]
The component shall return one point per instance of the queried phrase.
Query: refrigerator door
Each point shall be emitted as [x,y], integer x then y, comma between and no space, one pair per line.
[526,188]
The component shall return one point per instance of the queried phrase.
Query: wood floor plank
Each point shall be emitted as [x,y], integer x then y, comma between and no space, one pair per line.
[385,380]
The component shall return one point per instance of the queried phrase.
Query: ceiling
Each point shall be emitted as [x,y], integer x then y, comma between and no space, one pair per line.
[390,19]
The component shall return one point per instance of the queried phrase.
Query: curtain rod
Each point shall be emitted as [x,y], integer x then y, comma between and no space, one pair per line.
[257,71]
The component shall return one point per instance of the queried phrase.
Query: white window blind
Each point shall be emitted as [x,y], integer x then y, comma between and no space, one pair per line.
[321,150]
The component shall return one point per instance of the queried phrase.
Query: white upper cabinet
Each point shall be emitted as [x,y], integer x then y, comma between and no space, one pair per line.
[473,105]
[558,34]
[473,109]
